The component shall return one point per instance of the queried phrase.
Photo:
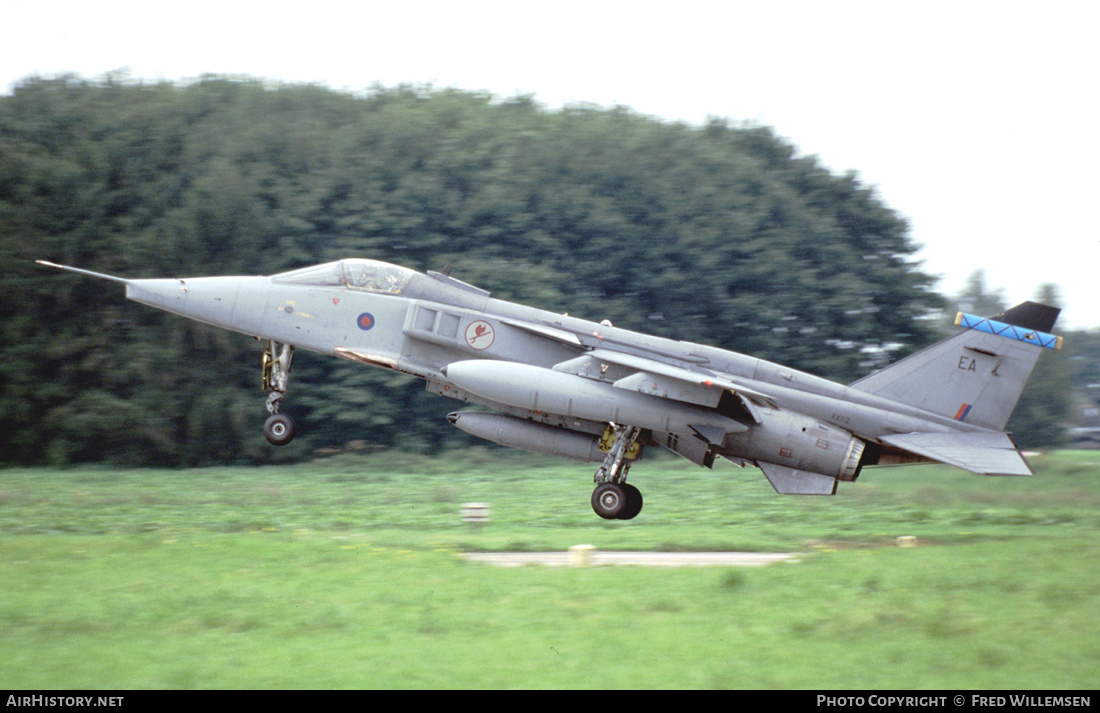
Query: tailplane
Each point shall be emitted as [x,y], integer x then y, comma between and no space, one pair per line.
[976,376]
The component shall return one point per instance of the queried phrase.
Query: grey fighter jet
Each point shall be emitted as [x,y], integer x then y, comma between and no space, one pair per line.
[565,386]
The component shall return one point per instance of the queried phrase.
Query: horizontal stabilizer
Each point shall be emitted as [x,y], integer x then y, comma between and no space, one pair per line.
[789,481]
[984,453]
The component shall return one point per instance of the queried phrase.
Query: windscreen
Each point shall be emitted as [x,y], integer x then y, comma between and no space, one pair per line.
[353,273]
[375,276]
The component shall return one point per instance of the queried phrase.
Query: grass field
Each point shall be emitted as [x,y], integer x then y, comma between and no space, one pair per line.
[344,574]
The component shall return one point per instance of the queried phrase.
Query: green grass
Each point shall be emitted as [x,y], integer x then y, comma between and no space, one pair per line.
[344,574]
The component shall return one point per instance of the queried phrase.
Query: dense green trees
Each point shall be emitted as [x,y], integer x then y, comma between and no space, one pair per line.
[719,234]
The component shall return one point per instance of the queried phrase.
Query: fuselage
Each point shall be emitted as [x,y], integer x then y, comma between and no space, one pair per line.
[431,321]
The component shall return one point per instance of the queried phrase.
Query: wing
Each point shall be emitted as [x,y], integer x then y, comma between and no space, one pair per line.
[984,452]
[541,330]
[658,378]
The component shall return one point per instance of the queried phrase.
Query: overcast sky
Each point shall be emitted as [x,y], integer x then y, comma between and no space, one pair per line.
[976,121]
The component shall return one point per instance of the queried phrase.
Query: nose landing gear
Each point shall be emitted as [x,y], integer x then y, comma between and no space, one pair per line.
[279,428]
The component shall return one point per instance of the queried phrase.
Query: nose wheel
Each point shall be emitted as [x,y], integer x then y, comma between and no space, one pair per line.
[279,428]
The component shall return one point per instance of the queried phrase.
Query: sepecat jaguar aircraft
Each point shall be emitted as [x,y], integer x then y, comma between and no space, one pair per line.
[593,392]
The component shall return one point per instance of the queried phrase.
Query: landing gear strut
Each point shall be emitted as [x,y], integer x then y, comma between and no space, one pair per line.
[279,428]
[614,498]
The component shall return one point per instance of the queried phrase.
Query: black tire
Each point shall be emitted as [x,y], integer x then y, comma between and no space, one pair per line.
[633,502]
[279,429]
[609,500]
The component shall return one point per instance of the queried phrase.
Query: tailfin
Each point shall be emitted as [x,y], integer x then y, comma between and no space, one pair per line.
[976,376]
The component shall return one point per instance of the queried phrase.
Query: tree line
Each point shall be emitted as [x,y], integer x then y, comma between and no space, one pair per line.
[720,234]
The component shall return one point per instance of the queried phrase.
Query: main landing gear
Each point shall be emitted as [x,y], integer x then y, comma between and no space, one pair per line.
[279,428]
[614,498]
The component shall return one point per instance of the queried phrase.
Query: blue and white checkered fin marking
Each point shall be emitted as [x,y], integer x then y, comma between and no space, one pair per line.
[1039,339]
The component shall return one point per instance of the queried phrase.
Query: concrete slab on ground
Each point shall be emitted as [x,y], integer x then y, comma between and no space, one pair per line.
[597,558]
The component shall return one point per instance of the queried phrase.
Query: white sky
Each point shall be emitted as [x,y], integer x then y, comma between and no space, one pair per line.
[977,121]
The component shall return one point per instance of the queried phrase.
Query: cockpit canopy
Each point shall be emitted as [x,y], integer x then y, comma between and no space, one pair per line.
[352,273]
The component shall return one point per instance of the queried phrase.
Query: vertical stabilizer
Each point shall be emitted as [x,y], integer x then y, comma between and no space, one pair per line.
[976,376]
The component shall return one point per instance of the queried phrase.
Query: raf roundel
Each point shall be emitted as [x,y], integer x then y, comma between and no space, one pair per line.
[365,321]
